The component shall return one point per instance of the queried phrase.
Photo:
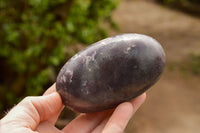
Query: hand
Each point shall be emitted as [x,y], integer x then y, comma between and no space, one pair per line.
[39,115]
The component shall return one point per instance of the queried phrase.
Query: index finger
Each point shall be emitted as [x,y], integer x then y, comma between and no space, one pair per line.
[122,115]
[52,89]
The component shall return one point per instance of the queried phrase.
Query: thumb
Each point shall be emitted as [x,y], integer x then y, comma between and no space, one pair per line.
[32,110]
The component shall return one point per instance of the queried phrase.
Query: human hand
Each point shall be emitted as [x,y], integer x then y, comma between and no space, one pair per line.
[39,115]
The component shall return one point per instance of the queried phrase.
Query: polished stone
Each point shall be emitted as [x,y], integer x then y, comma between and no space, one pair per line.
[109,72]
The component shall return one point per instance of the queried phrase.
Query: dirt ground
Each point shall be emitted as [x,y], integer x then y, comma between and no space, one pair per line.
[173,104]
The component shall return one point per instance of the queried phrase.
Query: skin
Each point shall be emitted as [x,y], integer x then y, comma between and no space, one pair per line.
[39,115]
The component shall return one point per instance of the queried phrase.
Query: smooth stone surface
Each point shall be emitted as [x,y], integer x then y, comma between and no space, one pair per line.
[109,72]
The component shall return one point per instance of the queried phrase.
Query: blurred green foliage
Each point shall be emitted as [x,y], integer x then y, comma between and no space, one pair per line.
[171,1]
[179,1]
[195,63]
[189,66]
[36,37]
[189,6]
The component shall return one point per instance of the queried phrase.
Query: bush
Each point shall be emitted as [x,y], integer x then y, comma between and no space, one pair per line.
[36,36]
[195,63]
[188,6]
[179,1]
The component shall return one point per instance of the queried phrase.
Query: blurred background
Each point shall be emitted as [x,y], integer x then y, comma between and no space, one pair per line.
[38,36]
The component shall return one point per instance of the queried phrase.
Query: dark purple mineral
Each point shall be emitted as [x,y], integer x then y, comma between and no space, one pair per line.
[109,72]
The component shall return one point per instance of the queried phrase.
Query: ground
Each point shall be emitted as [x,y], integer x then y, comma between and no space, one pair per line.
[173,103]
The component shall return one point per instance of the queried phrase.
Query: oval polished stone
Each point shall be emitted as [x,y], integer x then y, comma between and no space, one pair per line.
[109,72]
